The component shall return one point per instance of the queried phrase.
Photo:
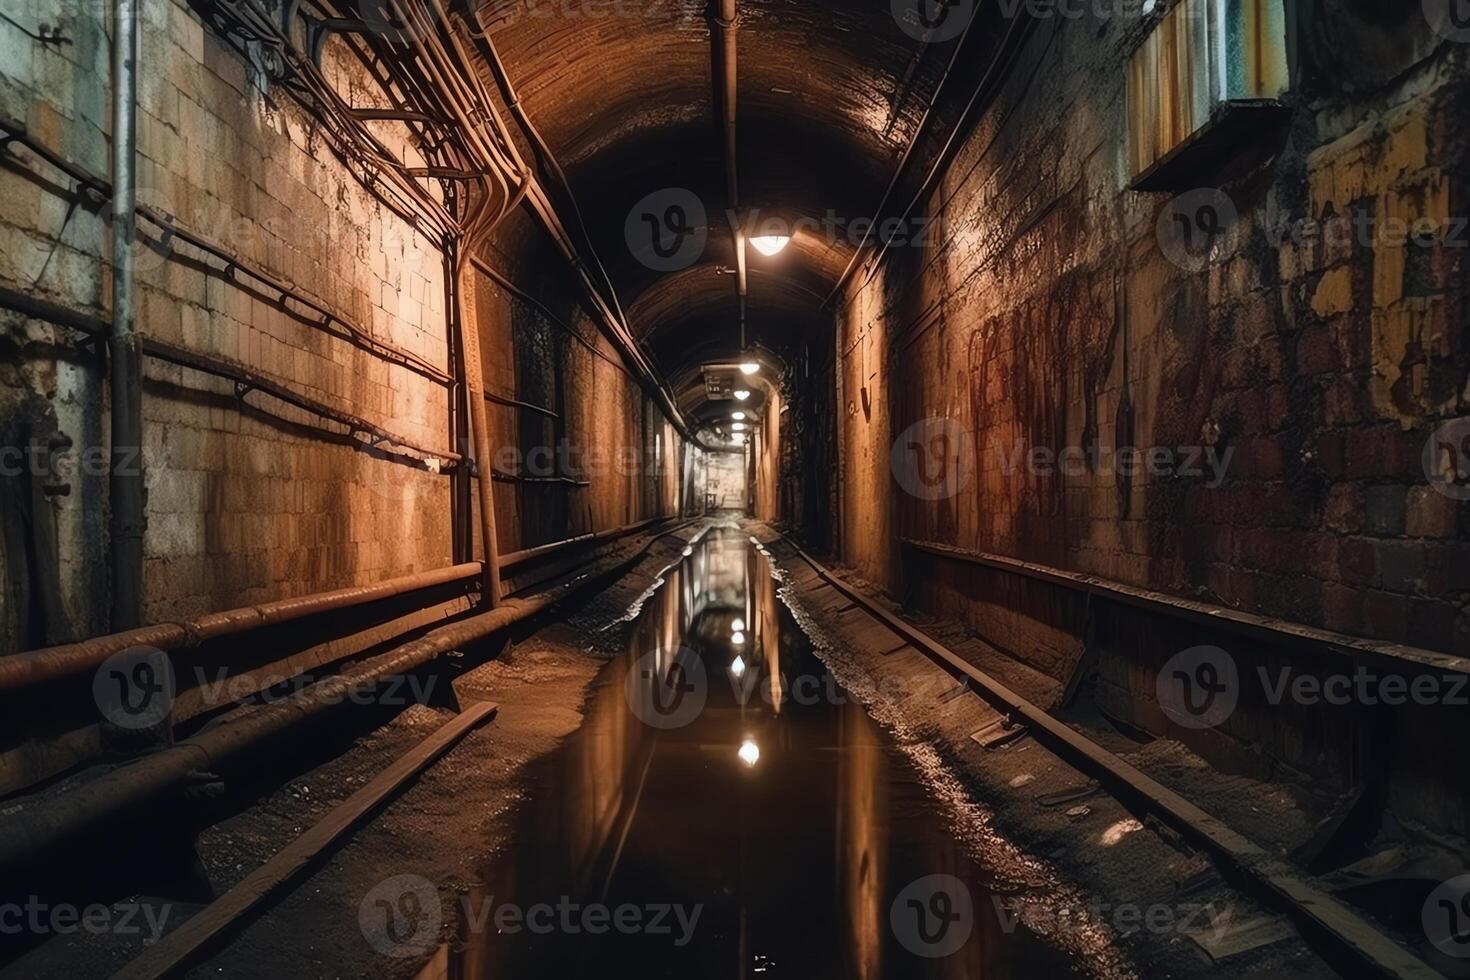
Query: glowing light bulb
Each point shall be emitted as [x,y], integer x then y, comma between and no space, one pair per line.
[739,427]
[750,753]
[738,416]
[769,245]
[749,368]
[737,638]
[742,394]
[738,667]
[737,626]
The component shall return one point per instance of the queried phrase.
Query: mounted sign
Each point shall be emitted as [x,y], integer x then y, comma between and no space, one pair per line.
[1206,80]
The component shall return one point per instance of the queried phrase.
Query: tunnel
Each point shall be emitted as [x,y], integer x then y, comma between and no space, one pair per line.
[734,488]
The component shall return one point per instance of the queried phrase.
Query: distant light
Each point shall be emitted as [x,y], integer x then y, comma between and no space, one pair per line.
[738,416]
[749,368]
[750,753]
[738,667]
[739,427]
[769,245]
[742,394]
[738,625]
[737,638]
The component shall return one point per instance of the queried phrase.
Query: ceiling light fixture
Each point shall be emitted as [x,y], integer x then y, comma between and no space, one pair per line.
[749,368]
[738,416]
[742,394]
[769,245]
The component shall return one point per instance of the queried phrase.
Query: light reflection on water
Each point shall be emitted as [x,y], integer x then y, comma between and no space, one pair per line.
[776,825]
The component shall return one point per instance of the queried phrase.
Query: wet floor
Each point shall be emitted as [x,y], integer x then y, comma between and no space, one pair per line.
[727,811]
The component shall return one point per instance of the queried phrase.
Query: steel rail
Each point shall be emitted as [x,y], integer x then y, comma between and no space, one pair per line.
[1335,926]
[171,954]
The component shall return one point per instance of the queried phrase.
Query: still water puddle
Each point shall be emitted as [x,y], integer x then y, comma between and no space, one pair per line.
[726,810]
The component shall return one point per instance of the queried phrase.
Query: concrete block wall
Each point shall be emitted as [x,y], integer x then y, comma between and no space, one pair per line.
[1046,314]
[242,507]
[621,454]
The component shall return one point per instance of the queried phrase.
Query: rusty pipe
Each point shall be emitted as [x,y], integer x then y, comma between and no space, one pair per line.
[52,663]
[727,30]
[29,831]
[125,484]
[727,27]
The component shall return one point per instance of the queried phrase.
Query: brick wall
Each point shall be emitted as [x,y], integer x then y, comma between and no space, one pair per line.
[251,503]
[1044,313]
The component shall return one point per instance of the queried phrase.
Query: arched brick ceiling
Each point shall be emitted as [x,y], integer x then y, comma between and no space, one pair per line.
[830,94]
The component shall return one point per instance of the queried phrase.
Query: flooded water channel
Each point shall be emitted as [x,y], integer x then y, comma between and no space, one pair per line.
[726,810]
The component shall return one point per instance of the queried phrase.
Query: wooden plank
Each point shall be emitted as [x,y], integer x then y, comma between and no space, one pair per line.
[171,954]
[1319,913]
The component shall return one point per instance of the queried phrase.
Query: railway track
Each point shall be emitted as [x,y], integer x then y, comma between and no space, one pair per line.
[1341,934]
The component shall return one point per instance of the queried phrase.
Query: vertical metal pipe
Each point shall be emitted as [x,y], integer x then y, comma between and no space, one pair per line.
[461,490]
[126,489]
[727,24]
[469,334]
